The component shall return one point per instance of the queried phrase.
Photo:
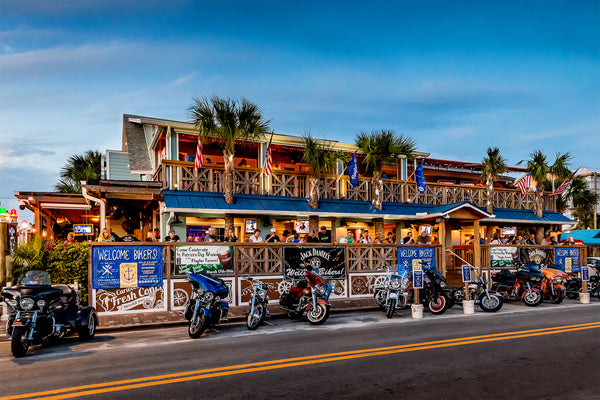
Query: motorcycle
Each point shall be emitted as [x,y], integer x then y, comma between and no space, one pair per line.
[259,301]
[41,312]
[488,300]
[394,293]
[523,286]
[432,295]
[553,284]
[309,297]
[573,284]
[205,307]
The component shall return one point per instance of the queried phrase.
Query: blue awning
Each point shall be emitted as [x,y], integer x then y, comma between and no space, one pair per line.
[588,236]
[511,215]
[213,203]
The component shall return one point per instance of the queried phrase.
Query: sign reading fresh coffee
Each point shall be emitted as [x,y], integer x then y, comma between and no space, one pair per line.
[115,267]
[196,259]
[328,262]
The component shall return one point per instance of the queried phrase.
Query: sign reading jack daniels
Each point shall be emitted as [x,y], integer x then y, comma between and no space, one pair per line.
[328,262]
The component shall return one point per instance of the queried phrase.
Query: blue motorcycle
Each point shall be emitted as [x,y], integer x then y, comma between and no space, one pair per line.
[205,306]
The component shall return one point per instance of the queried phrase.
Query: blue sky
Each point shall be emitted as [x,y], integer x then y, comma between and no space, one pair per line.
[457,76]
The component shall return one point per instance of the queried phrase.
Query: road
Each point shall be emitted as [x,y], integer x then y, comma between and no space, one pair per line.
[551,352]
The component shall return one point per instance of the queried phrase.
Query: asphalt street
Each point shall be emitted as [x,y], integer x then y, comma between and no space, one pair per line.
[550,352]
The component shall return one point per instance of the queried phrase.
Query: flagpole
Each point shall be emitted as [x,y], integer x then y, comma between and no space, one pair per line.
[408,179]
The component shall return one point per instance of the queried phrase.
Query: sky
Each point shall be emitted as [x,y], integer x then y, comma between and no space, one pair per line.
[456,76]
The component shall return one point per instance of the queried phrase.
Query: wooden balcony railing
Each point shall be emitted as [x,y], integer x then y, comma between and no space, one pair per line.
[179,175]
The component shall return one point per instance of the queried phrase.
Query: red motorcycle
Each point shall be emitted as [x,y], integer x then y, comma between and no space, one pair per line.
[309,297]
[524,285]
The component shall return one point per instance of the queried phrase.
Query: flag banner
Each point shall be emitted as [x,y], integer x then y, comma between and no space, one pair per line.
[353,171]
[199,161]
[268,162]
[561,188]
[420,178]
[525,183]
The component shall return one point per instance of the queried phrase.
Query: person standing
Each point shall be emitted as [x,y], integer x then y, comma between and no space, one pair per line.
[230,236]
[553,241]
[70,240]
[156,235]
[312,237]
[172,237]
[408,239]
[531,239]
[520,240]
[324,235]
[211,235]
[390,238]
[256,238]
[349,237]
[105,236]
[272,237]
[423,238]
[366,239]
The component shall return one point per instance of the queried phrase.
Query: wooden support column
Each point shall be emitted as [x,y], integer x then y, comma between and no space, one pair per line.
[399,227]
[313,223]
[477,249]
[442,238]
[379,229]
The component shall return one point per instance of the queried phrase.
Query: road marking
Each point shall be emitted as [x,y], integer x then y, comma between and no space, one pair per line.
[137,383]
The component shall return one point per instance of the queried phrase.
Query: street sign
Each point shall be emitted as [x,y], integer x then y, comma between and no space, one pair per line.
[417,279]
[585,274]
[466,273]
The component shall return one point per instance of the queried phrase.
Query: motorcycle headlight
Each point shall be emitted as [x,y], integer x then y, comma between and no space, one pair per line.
[41,303]
[558,279]
[27,304]
[217,299]
[442,284]
[395,284]
[386,285]
[209,296]
[13,303]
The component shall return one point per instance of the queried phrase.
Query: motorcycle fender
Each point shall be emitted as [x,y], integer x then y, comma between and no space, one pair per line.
[323,301]
[206,312]
[83,316]
[533,289]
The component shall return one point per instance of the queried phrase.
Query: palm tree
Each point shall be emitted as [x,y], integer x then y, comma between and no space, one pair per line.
[380,147]
[321,160]
[228,120]
[493,165]
[583,201]
[79,167]
[542,172]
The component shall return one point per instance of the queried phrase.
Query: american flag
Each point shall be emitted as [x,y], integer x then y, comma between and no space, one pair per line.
[199,157]
[268,161]
[524,183]
[561,188]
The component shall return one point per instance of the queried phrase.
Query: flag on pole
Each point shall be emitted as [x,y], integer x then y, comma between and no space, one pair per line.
[353,171]
[420,178]
[199,161]
[525,183]
[269,159]
[561,188]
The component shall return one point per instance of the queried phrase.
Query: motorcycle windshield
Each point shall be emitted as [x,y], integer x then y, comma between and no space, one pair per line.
[532,270]
[34,278]
[211,284]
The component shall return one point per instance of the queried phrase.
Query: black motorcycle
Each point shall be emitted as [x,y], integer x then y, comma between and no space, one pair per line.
[432,295]
[573,285]
[41,312]
[488,300]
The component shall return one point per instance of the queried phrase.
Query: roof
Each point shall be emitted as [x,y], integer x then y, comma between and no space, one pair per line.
[528,217]
[139,158]
[183,201]
[589,236]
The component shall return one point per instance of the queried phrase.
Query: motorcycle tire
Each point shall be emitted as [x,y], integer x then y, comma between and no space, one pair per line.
[439,305]
[391,308]
[88,332]
[254,319]
[318,315]
[557,298]
[18,341]
[573,290]
[491,304]
[533,298]
[197,326]
[380,298]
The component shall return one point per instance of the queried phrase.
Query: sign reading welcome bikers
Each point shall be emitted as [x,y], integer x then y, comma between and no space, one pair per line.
[328,262]
[196,259]
[117,267]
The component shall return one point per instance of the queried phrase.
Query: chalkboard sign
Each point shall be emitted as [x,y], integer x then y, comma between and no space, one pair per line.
[115,267]
[410,258]
[328,262]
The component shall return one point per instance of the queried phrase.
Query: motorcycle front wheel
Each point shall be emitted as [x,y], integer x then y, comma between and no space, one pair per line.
[557,298]
[318,315]
[533,298]
[18,342]
[391,308]
[88,332]
[380,298]
[197,325]
[438,305]
[491,304]
[254,319]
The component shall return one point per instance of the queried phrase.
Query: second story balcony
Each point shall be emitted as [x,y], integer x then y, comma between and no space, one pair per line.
[179,175]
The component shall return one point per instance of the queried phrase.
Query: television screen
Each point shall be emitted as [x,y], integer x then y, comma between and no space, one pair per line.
[83,229]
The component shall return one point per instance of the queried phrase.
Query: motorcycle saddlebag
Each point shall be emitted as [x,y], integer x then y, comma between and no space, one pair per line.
[285,299]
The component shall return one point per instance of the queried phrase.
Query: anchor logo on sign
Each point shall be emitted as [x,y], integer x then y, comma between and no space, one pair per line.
[129,273]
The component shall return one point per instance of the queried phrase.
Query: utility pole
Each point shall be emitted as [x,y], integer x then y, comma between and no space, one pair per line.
[595,205]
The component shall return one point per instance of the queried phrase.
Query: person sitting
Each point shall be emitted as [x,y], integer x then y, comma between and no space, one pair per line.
[272,237]
[349,237]
[172,237]
[312,237]
[324,235]
[531,239]
[211,235]
[570,241]
[390,238]
[408,239]
[366,239]
[423,238]
[256,238]
[105,236]
[70,239]
[553,241]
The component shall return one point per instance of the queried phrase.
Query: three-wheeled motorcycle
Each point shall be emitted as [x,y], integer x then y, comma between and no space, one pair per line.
[41,312]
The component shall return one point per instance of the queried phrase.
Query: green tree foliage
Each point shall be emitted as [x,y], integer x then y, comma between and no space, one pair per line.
[79,167]
[583,200]
[64,264]
[493,165]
